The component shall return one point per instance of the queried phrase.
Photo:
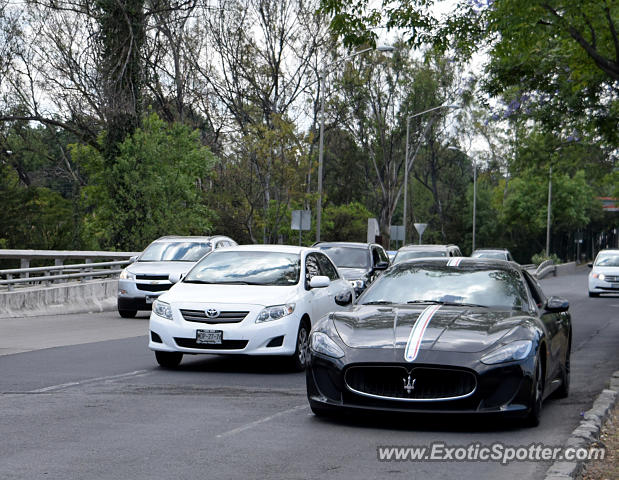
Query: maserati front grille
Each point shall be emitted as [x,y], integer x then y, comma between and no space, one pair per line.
[411,384]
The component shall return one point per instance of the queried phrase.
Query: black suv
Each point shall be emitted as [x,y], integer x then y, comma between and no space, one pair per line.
[359,263]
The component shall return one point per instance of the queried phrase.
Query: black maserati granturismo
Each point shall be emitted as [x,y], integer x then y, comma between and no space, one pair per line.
[448,335]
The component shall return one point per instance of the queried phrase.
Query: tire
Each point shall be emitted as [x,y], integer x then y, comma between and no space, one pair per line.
[535,414]
[593,294]
[564,390]
[168,359]
[299,358]
[128,313]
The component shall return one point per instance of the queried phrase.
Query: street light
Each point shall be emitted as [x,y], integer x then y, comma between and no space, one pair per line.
[380,48]
[406,162]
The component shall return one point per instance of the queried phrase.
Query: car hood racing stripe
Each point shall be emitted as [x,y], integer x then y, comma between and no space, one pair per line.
[414,340]
[454,261]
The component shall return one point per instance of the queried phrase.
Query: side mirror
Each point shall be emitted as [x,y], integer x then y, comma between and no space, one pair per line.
[590,264]
[557,304]
[381,266]
[319,281]
[175,277]
[133,259]
[344,299]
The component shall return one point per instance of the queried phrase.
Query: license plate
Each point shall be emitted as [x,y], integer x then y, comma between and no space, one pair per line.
[209,337]
[149,299]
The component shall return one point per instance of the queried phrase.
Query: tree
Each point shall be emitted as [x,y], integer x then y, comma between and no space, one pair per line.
[153,188]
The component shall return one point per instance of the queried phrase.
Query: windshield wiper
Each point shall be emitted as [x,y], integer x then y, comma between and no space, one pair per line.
[378,302]
[440,302]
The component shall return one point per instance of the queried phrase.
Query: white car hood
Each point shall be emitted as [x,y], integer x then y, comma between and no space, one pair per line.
[233,294]
[159,268]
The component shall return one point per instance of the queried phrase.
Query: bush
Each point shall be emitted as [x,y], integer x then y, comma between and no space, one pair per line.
[540,257]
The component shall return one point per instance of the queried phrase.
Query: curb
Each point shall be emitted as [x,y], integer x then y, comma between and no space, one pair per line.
[585,434]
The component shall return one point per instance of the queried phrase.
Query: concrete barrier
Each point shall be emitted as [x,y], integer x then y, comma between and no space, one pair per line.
[60,299]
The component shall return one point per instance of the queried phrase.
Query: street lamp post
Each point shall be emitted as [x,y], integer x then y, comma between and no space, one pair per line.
[406,162]
[474,201]
[549,213]
[323,73]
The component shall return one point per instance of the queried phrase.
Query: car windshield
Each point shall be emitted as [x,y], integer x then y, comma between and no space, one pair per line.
[409,255]
[496,255]
[347,257]
[250,268]
[607,260]
[175,251]
[410,283]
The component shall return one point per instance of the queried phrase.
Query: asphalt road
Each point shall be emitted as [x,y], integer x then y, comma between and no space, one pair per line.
[105,410]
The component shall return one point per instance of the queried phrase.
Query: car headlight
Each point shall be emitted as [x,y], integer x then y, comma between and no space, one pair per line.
[162,309]
[275,312]
[357,284]
[321,343]
[126,275]
[509,353]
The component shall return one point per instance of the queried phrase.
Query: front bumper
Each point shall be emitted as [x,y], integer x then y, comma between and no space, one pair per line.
[602,286]
[505,388]
[277,337]
[140,294]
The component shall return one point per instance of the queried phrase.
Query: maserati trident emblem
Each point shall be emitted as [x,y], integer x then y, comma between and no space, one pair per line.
[212,313]
[409,384]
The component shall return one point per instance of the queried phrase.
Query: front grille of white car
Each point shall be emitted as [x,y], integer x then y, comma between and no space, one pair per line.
[223,317]
[611,278]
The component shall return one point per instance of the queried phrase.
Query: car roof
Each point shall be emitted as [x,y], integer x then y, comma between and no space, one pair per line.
[490,250]
[185,238]
[609,250]
[270,248]
[425,247]
[345,244]
[463,262]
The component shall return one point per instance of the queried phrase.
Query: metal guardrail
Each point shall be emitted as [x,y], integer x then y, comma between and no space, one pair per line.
[59,272]
[545,268]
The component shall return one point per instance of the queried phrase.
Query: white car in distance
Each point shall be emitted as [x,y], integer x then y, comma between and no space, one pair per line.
[251,300]
[604,275]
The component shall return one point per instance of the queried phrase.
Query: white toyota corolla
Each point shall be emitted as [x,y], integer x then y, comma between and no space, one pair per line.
[251,300]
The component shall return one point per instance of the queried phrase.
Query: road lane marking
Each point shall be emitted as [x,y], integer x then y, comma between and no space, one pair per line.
[62,386]
[260,421]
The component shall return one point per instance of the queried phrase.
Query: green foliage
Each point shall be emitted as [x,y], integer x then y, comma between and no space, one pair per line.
[348,222]
[540,257]
[35,217]
[152,188]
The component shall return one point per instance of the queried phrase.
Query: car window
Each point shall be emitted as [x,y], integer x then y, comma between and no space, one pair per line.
[536,291]
[375,256]
[246,268]
[346,257]
[458,252]
[409,282]
[177,251]
[607,259]
[382,254]
[326,267]
[312,267]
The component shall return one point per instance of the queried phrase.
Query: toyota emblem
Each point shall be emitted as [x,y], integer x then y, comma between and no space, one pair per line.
[212,313]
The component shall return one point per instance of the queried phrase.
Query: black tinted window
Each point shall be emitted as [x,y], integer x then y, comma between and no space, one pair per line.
[327,267]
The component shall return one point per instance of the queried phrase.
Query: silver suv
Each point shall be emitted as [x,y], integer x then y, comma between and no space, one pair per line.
[148,276]
[409,252]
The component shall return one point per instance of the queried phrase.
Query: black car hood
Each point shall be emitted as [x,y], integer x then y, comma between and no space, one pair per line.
[456,329]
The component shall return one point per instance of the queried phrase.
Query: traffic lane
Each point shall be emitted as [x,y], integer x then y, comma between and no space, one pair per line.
[143,427]
[26,334]
[595,330]
[49,368]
